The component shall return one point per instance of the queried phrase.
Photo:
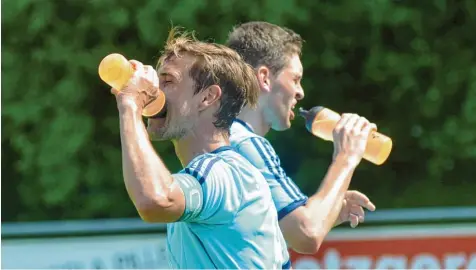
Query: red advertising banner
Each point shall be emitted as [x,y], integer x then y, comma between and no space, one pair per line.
[394,248]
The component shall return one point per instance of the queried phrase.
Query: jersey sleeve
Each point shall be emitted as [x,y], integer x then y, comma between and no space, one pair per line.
[286,195]
[211,195]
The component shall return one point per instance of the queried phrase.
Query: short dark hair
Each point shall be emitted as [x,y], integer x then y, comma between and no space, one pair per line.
[216,64]
[263,43]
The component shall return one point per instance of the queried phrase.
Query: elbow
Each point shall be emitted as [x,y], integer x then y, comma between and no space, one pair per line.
[309,238]
[302,233]
[309,245]
[152,210]
[313,245]
[148,216]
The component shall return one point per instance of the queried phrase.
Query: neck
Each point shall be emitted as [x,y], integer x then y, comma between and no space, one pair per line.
[199,142]
[255,119]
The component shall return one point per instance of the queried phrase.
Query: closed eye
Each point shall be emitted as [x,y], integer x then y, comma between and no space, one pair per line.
[166,78]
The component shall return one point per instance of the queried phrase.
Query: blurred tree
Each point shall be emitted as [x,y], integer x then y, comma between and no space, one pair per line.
[406,65]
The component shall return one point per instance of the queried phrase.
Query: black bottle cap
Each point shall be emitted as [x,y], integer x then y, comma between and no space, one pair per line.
[310,115]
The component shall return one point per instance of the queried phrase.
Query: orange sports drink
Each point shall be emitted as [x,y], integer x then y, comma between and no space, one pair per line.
[321,121]
[116,71]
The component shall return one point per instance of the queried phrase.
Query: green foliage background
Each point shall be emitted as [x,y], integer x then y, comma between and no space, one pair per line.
[409,66]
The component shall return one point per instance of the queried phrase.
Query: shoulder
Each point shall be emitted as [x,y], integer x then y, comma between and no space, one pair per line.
[240,132]
[258,151]
[204,166]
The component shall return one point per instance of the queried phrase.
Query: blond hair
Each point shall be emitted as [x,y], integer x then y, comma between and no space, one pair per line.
[216,65]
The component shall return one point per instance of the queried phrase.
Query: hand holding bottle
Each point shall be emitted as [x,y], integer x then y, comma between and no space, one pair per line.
[322,122]
[142,87]
[350,137]
[131,81]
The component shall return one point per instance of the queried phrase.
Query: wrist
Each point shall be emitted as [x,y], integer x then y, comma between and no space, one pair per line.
[348,161]
[127,105]
[129,112]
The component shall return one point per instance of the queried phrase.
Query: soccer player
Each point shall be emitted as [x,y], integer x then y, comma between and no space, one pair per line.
[274,52]
[219,209]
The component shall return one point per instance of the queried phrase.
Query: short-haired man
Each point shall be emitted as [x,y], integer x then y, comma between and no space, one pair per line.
[274,52]
[219,208]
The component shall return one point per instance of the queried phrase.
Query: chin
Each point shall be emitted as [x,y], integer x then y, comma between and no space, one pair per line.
[166,133]
[154,135]
[284,125]
[157,129]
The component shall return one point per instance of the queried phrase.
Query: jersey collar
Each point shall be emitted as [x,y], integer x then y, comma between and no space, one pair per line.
[241,122]
[221,149]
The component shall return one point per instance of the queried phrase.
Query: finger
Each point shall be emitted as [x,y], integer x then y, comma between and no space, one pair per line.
[358,211]
[350,125]
[152,75]
[361,123]
[361,219]
[137,80]
[367,129]
[137,65]
[354,221]
[373,127]
[114,91]
[343,121]
[361,199]
[370,206]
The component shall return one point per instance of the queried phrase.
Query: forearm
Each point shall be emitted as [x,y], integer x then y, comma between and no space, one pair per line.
[147,180]
[306,227]
[324,206]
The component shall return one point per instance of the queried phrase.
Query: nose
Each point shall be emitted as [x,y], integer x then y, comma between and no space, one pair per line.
[299,94]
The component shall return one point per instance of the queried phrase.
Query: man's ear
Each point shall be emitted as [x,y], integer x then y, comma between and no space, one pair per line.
[209,96]
[264,78]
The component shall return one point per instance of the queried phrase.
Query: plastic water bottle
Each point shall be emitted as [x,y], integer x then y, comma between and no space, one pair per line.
[116,71]
[321,121]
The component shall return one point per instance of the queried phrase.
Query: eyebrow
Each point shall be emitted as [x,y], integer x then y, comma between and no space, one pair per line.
[297,74]
[175,75]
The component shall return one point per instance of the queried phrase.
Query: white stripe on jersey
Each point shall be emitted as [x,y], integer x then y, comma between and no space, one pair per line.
[281,172]
[268,159]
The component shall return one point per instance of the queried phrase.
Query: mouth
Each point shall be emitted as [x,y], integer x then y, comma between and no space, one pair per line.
[291,112]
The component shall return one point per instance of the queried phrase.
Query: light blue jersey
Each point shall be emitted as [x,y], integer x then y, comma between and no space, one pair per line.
[286,195]
[229,220]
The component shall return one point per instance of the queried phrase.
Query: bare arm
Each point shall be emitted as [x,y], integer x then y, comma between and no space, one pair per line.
[151,187]
[306,227]
[148,182]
